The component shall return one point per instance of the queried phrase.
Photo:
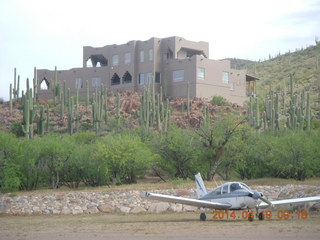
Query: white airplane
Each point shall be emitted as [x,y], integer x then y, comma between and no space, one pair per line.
[228,196]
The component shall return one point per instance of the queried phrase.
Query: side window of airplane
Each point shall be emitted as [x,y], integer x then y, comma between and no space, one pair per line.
[234,186]
[217,191]
[225,189]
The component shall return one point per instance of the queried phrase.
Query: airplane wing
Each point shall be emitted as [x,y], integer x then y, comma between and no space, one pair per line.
[187,201]
[290,201]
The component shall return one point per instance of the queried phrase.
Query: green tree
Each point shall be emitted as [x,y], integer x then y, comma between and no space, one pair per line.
[86,164]
[127,157]
[179,152]
[294,154]
[214,138]
[9,171]
[32,171]
[55,151]
[250,157]
[82,165]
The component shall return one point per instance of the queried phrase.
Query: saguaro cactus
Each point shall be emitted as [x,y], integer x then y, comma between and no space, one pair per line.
[10,99]
[87,95]
[70,115]
[118,109]
[48,120]
[188,98]
[26,118]
[41,120]
[308,113]
[77,117]
[35,85]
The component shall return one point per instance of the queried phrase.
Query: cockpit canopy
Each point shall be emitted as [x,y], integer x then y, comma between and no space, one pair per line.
[228,188]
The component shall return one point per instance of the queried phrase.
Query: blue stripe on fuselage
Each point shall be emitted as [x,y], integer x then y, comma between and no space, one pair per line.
[236,193]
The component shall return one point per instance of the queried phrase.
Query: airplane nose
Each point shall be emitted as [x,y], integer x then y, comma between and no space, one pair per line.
[256,195]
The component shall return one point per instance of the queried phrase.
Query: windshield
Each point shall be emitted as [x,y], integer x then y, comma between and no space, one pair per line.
[236,186]
[245,186]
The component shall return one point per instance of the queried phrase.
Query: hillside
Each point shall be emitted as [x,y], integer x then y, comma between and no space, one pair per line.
[303,65]
[129,108]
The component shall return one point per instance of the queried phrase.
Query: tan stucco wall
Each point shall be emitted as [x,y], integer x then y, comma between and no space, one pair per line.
[211,86]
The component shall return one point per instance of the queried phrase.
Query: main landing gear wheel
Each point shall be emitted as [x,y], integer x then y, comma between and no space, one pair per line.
[203,217]
[261,216]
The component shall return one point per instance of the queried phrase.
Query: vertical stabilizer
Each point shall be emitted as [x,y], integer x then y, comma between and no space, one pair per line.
[201,189]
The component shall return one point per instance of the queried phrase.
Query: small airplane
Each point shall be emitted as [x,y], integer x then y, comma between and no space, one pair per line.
[228,196]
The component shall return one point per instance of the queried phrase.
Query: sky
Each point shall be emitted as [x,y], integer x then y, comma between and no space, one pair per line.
[49,33]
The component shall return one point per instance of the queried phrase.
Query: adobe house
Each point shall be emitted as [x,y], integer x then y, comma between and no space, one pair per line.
[172,62]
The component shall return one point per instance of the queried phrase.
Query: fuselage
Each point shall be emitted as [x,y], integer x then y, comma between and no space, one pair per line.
[233,194]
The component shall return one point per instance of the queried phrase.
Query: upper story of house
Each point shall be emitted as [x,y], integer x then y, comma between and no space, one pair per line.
[143,55]
[174,63]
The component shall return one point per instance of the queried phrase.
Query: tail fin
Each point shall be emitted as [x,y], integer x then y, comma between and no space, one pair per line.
[201,189]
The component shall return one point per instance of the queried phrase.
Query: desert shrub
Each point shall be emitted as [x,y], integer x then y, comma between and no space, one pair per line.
[179,151]
[126,157]
[219,101]
[16,129]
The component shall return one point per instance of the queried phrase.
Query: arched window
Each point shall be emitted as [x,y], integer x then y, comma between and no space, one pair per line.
[97,61]
[127,78]
[115,80]
[44,84]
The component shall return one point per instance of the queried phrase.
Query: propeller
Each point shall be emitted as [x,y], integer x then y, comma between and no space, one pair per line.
[256,195]
[246,189]
[265,200]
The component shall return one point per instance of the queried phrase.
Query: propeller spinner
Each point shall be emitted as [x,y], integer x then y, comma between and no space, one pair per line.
[256,195]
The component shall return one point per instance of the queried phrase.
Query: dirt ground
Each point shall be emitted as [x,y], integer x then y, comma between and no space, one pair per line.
[154,226]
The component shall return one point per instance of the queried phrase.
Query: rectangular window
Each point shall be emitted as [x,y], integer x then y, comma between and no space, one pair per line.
[201,73]
[149,77]
[115,60]
[79,83]
[127,58]
[141,78]
[150,54]
[158,77]
[95,82]
[225,77]
[141,56]
[178,75]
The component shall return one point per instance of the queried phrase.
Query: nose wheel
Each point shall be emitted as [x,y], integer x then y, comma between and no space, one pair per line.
[203,217]
[250,216]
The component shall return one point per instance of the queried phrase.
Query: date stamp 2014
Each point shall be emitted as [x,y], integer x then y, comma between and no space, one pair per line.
[244,214]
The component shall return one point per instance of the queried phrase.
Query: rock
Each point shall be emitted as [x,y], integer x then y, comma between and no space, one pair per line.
[76,210]
[138,209]
[187,208]
[315,207]
[176,207]
[125,209]
[91,210]
[56,211]
[4,207]
[105,208]
[36,210]
[65,211]
[158,207]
